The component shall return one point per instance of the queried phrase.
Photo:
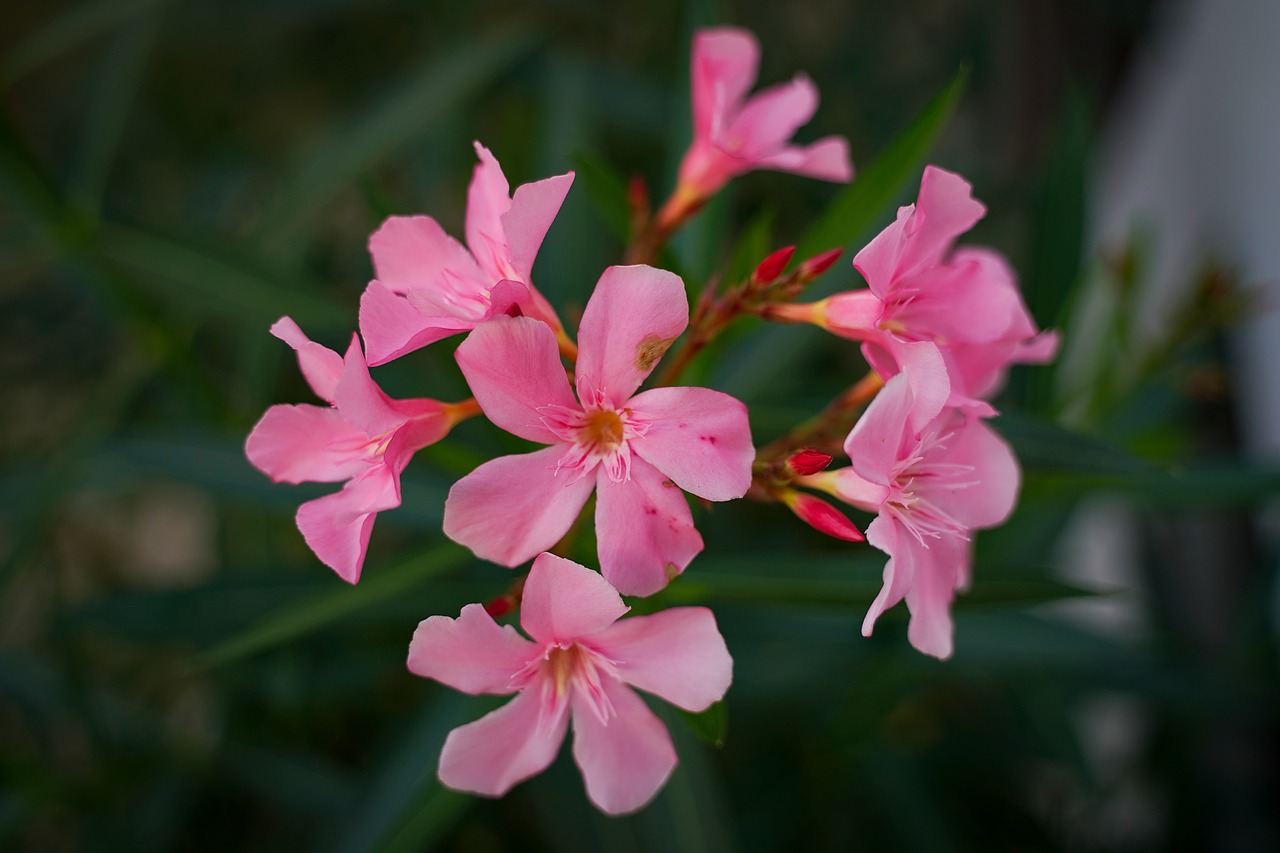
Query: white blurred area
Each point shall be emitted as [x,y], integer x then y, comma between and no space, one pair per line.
[1191,160]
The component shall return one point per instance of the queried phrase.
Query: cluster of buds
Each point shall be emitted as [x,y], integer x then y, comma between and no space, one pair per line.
[938,330]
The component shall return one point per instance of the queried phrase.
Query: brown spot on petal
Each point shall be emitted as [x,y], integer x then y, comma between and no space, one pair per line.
[671,570]
[649,350]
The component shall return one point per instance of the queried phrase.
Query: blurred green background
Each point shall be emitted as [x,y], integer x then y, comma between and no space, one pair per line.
[177,671]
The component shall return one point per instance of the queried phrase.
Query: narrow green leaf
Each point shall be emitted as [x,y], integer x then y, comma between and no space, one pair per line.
[359,143]
[856,208]
[380,584]
[607,190]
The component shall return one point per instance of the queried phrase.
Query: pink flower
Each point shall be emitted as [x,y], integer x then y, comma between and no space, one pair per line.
[932,476]
[364,437]
[733,134]
[578,665]
[636,450]
[429,286]
[966,302]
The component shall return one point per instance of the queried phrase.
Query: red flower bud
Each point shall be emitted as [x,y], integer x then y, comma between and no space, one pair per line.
[811,268]
[771,267]
[821,516]
[808,461]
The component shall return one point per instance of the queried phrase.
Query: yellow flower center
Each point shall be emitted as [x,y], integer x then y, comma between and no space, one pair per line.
[601,429]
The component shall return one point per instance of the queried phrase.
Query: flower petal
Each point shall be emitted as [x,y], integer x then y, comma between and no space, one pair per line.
[414,254]
[939,570]
[996,477]
[630,320]
[899,572]
[724,66]
[488,198]
[769,118]
[533,208]
[471,653]
[514,507]
[875,442]
[391,326]
[502,748]
[513,367]
[626,761]
[361,401]
[320,366]
[337,527]
[827,160]
[644,530]
[699,438]
[677,654]
[563,600]
[298,444]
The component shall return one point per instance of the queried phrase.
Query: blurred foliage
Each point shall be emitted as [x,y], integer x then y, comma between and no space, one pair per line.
[178,672]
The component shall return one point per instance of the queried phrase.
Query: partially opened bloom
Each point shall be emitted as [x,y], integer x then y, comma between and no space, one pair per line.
[932,476]
[965,302]
[733,134]
[580,664]
[363,437]
[636,451]
[429,286]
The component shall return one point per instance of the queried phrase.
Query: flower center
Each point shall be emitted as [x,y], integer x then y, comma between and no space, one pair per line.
[575,668]
[601,430]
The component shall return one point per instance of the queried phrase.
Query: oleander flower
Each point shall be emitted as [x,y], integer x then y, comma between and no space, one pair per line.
[932,475]
[580,665]
[733,134]
[429,286]
[363,437]
[636,451]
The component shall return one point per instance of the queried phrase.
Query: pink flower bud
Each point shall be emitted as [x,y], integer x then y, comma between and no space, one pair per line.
[821,516]
[771,267]
[808,461]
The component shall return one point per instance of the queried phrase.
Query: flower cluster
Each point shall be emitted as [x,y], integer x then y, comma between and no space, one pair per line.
[938,328]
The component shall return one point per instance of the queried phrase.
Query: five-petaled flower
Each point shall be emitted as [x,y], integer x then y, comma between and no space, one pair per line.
[429,286]
[581,664]
[636,451]
[965,302]
[363,437]
[932,476]
[733,134]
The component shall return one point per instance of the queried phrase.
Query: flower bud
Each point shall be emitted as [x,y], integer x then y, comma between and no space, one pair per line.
[821,516]
[808,461]
[771,267]
[811,268]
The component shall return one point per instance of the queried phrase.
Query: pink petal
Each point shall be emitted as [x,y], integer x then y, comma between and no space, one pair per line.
[488,198]
[414,254]
[391,326]
[854,490]
[644,530]
[723,68]
[677,654]
[337,527]
[471,653]
[625,761]
[875,443]
[513,367]
[504,747]
[769,118]
[514,507]
[699,438]
[996,477]
[361,401]
[630,320]
[940,568]
[827,160]
[926,368]
[899,572]
[297,444]
[563,601]
[533,208]
[321,366]
[854,315]
[972,298]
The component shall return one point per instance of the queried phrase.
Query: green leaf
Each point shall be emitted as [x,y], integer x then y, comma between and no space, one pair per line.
[856,208]
[710,725]
[607,190]
[380,584]
[357,144]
